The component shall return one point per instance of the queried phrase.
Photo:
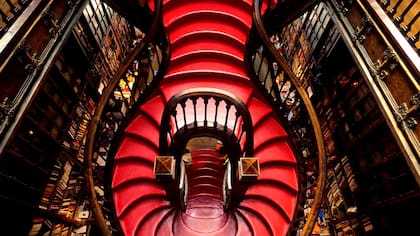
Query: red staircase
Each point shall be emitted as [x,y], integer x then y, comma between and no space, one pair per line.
[207,39]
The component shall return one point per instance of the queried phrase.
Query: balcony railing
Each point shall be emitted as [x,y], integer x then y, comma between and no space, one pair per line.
[207,112]
[405,16]
[199,111]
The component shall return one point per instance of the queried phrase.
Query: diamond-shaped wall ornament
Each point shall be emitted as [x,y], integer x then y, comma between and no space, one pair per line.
[249,168]
[164,168]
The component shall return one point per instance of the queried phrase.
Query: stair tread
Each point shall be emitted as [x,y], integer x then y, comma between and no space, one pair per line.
[280,198]
[154,108]
[205,20]
[153,225]
[285,174]
[129,147]
[273,220]
[241,91]
[279,151]
[240,9]
[268,130]
[258,110]
[243,228]
[132,220]
[132,170]
[129,194]
[258,224]
[207,41]
[142,126]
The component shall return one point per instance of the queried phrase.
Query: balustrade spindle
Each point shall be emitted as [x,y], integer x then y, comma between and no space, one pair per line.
[183,105]
[6,17]
[176,120]
[22,2]
[407,28]
[14,6]
[260,65]
[385,4]
[267,76]
[194,101]
[228,106]
[394,9]
[123,98]
[217,102]
[236,122]
[206,103]
[400,18]
[415,38]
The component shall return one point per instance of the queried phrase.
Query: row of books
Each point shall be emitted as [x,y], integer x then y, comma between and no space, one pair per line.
[50,189]
[62,196]
[349,174]
[77,129]
[334,196]
[45,227]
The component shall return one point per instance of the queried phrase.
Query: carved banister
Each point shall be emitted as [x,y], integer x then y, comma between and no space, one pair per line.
[266,53]
[99,115]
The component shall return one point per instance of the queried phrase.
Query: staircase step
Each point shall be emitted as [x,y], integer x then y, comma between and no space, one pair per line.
[205,207]
[205,216]
[128,194]
[144,127]
[203,194]
[165,226]
[259,225]
[131,170]
[207,41]
[243,226]
[154,108]
[223,81]
[152,223]
[278,171]
[208,20]
[203,171]
[258,110]
[205,152]
[279,151]
[200,179]
[268,130]
[280,195]
[211,59]
[238,9]
[131,221]
[130,146]
[267,211]
[197,165]
[208,188]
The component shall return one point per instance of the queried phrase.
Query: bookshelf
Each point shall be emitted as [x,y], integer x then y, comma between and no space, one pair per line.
[62,196]
[361,181]
[61,111]
[42,165]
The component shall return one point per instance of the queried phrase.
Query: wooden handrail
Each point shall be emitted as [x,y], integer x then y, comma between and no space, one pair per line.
[312,115]
[92,129]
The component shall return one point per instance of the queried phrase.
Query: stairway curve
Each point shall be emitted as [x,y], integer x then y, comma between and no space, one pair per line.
[207,44]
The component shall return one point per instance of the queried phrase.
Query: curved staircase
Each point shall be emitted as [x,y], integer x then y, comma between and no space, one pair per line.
[207,42]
